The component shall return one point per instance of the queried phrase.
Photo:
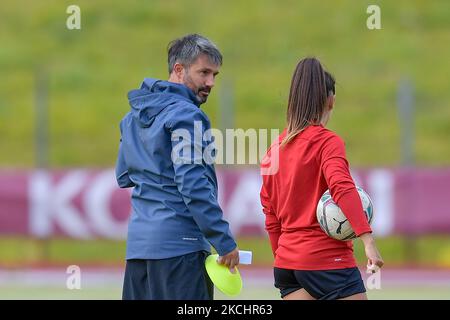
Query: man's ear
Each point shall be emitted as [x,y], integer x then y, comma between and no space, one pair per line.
[178,71]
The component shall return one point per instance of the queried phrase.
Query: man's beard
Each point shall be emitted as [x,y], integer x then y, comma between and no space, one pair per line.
[190,84]
[202,99]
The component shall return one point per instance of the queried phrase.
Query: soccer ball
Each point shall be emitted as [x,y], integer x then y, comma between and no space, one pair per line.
[333,221]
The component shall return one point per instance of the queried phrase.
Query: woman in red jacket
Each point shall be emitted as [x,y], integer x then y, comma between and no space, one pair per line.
[309,160]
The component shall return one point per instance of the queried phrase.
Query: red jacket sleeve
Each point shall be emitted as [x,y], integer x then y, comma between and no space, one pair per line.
[336,171]
[272,223]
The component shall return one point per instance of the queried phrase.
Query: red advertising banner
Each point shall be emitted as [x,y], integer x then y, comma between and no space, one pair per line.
[86,203]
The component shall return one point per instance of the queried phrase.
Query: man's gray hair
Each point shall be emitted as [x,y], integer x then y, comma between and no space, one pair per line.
[186,50]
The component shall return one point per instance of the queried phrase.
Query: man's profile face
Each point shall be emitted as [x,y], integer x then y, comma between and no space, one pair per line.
[200,76]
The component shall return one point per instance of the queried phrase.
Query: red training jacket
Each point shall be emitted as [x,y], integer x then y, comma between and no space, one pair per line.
[308,165]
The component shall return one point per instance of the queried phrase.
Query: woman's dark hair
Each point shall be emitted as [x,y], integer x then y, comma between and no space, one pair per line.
[311,85]
[330,84]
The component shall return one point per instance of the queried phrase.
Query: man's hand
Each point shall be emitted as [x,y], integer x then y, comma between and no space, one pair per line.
[230,260]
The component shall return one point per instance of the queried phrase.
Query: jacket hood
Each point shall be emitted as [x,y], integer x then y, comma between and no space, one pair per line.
[154,96]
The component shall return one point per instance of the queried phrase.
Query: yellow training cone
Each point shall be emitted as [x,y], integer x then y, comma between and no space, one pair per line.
[227,282]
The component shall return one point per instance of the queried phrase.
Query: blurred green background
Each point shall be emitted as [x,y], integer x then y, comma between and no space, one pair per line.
[91,70]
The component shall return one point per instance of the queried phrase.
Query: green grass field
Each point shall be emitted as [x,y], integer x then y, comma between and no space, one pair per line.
[248,293]
[91,70]
[20,255]
[20,252]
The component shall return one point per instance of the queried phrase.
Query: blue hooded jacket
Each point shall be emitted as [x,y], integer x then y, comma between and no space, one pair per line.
[174,203]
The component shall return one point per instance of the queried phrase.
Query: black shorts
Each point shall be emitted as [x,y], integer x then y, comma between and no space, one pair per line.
[321,284]
[177,278]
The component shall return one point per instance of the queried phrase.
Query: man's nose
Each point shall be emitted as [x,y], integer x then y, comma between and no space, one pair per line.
[210,81]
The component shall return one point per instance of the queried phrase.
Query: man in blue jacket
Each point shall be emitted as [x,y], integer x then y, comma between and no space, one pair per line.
[175,214]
